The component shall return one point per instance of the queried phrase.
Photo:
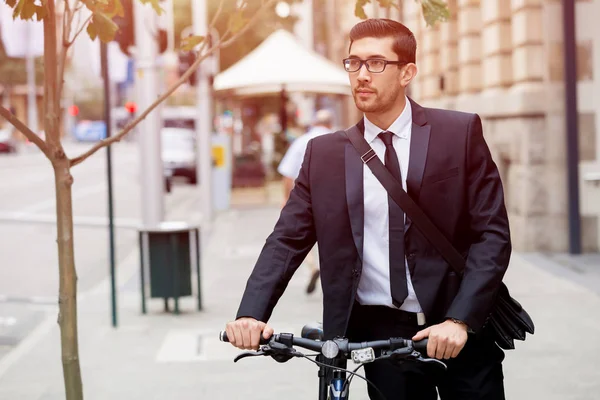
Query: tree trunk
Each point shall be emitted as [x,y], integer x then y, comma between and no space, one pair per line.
[67,317]
[67,296]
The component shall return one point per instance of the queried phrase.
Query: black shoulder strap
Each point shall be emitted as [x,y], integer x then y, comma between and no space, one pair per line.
[400,197]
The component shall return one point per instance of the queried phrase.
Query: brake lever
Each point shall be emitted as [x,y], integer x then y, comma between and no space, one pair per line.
[280,352]
[409,353]
[417,356]
[249,354]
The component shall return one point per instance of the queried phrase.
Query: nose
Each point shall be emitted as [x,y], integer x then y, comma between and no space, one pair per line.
[363,74]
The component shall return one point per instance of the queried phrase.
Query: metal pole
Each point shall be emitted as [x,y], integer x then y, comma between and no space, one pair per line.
[570,60]
[32,114]
[170,17]
[111,226]
[151,168]
[204,125]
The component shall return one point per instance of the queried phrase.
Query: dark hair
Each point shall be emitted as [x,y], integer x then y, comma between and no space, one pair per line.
[405,44]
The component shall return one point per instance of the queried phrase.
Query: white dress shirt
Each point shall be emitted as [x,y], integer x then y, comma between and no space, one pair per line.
[374,286]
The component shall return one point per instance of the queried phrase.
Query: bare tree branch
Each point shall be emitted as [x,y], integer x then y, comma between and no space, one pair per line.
[217,14]
[29,134]
[81,28]
[201,57]
[68,17]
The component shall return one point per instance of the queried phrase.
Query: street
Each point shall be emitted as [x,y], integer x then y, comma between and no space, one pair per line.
[29,267]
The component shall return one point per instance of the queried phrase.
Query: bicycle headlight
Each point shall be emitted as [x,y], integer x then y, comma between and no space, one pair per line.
[330,349]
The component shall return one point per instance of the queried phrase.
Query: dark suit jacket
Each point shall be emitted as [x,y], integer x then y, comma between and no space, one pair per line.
[451,176]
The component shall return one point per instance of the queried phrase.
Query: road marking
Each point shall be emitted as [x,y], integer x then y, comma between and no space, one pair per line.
[84,221]
[44,300]
[190,345]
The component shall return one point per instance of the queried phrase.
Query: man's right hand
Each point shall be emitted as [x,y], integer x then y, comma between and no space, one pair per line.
[244,333]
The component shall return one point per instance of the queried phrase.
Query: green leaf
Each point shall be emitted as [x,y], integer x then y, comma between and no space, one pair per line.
[90,5]
[155,5]
[105,27]
[28,10]
[434,11]
[237,22]
[388,3]
[111,8]
[359,10]
[188,43]
[18,8]
[40,12]
[91,30]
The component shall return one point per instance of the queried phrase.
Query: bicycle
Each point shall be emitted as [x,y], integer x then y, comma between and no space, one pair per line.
[333,353]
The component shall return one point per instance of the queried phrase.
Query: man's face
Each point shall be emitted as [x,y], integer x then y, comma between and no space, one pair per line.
[376,92]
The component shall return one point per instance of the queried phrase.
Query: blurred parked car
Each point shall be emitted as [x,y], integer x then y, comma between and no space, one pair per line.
[90,131]
[7,143]
[179,153]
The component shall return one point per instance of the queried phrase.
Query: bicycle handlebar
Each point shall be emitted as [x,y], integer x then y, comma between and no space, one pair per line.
[344,346]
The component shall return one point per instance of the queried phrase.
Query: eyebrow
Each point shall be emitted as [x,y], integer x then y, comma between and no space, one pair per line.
[370,56]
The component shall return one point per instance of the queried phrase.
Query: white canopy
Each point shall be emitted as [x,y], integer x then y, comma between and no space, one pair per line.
[282,62]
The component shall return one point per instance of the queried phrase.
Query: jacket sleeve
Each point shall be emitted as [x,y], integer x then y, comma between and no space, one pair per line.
[285,249]
[490,249]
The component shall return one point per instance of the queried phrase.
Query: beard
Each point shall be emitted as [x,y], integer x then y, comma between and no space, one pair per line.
[377,102]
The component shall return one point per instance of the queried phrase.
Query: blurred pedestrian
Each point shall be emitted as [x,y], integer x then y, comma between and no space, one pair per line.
[290,168]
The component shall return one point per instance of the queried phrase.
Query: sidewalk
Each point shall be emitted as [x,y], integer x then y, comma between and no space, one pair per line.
[162,356]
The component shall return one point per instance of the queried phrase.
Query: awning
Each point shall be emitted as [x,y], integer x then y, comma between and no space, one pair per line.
[279,62]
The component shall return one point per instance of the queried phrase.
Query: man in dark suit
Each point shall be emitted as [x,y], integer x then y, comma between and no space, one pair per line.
[380,276]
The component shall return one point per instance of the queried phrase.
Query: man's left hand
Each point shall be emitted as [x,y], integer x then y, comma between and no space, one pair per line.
[446,340]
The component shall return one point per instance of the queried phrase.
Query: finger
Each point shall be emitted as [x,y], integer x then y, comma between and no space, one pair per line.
[431,346]
[255,332]
[421,334]
[457,350]
[450,347]
[237,334]
[267,331]
[246,335]
[230,334]
[442,344]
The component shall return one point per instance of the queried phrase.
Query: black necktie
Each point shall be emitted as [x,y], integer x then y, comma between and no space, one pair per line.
[396,231]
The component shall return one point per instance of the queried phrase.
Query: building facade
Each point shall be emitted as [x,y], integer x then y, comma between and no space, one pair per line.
[503,59]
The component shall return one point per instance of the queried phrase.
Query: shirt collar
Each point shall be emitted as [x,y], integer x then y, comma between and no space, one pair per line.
[400,127]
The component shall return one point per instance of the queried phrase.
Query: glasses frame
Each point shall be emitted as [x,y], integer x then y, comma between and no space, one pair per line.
[364,62]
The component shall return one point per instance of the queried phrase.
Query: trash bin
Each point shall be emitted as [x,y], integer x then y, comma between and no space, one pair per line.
[167,253]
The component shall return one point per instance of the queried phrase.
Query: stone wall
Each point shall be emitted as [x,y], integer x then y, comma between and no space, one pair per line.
[503,60]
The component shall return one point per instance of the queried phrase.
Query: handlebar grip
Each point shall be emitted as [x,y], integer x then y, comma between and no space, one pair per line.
[223,338]
[421,346]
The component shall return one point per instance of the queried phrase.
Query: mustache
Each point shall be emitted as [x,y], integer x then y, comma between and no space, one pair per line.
[356,89]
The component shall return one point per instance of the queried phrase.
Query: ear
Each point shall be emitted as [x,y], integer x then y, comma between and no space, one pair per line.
[408,74]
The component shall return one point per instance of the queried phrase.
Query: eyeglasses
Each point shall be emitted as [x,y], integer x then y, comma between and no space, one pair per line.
[374,65]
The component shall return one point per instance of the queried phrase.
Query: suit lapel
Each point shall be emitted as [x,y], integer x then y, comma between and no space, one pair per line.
[355,193]
[419,143]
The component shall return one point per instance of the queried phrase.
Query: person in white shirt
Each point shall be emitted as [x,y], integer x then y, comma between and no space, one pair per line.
[289,168]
